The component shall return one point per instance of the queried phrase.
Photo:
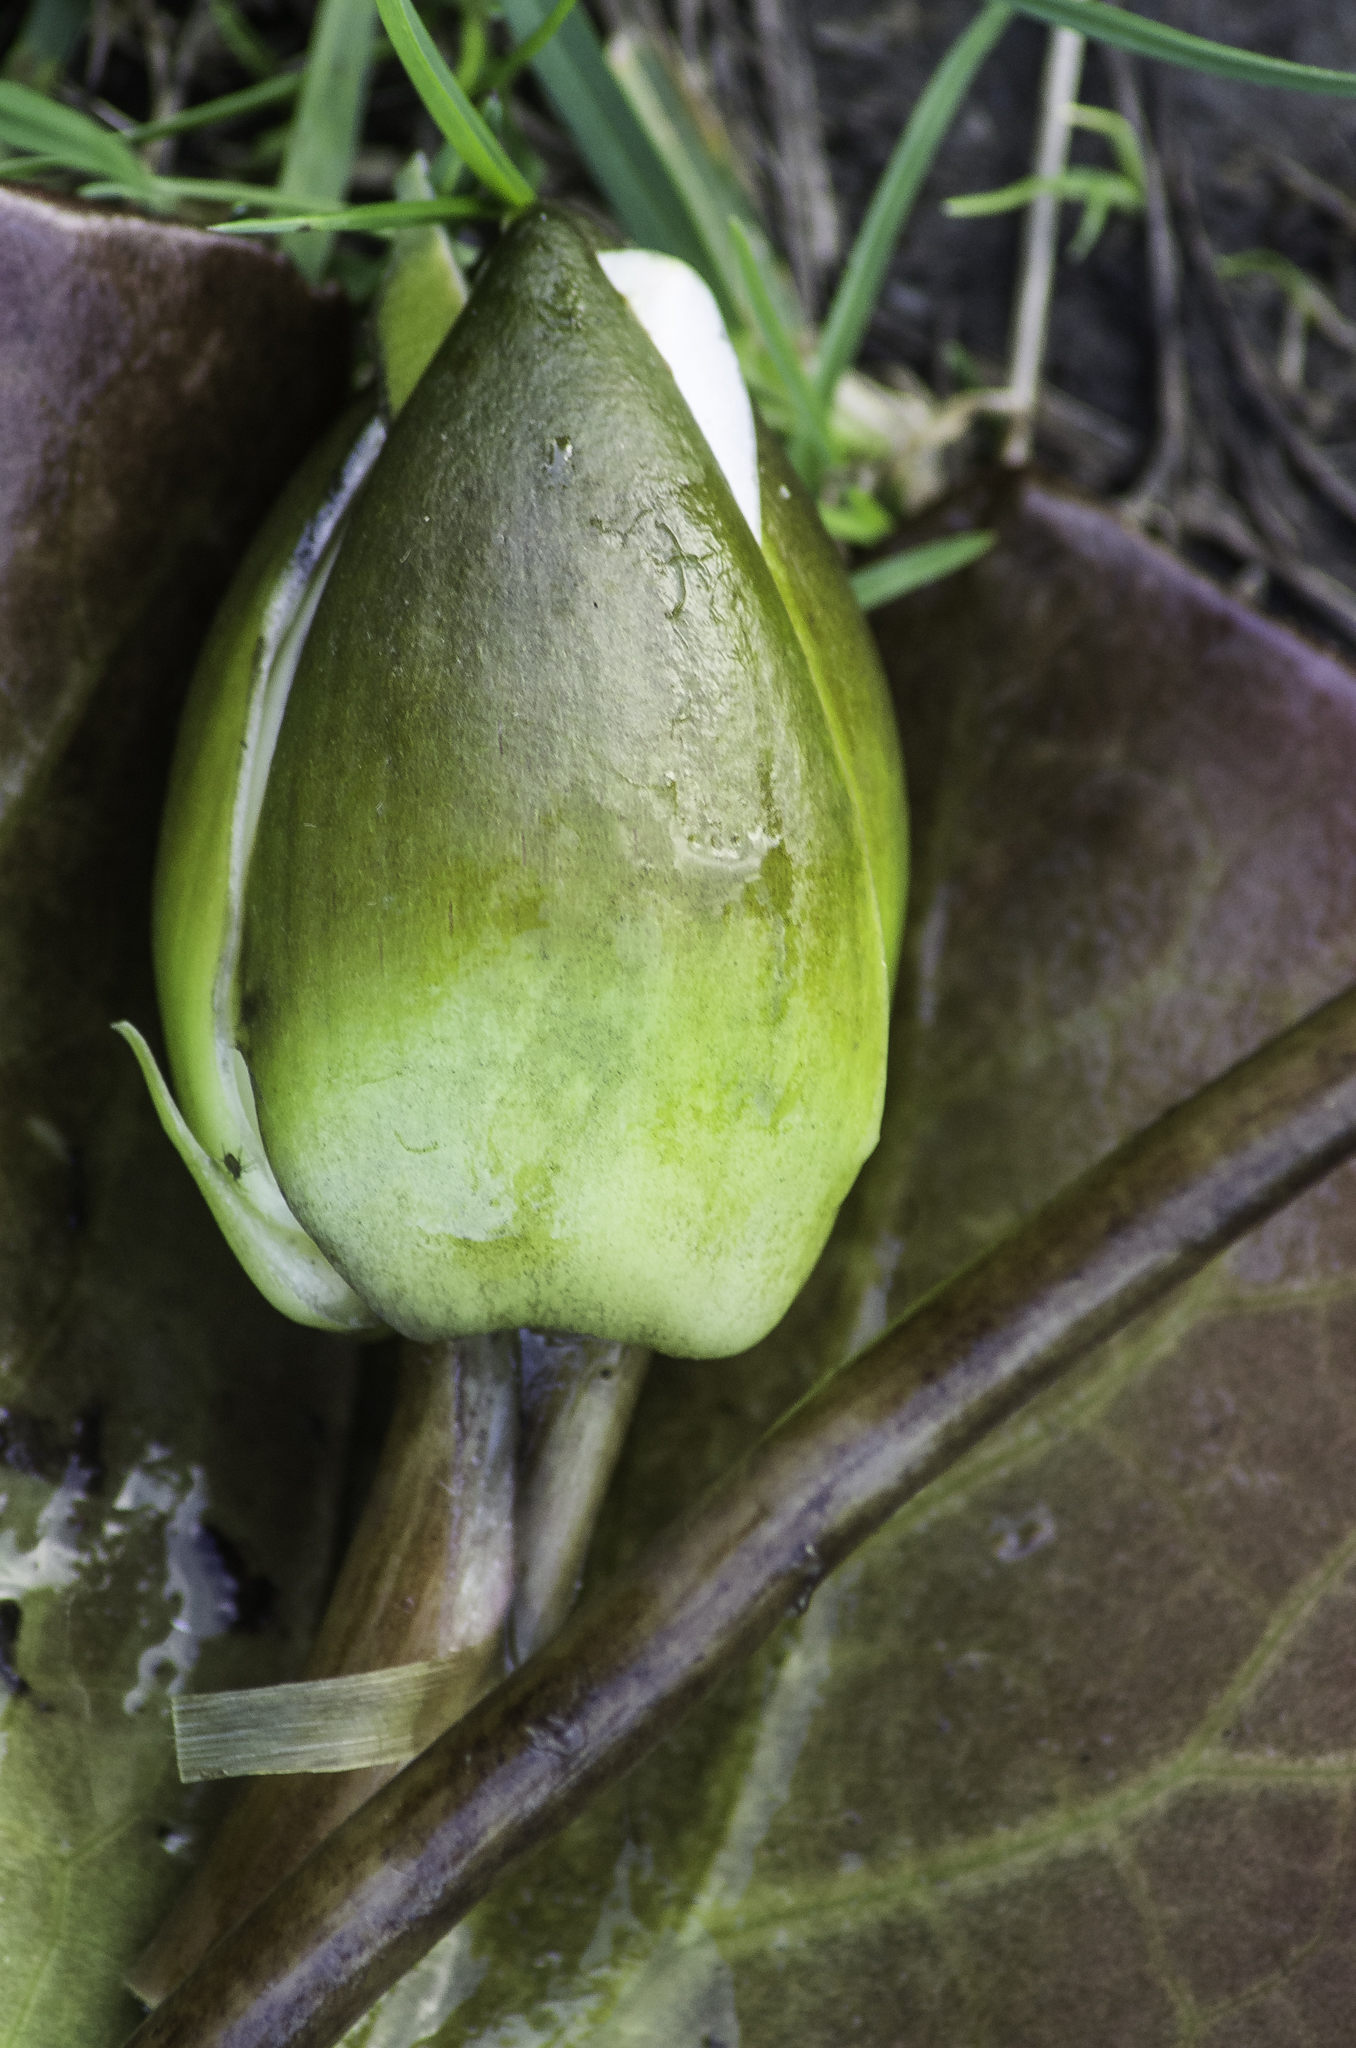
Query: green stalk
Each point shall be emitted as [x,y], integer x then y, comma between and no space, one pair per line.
[323,139]
[581,1392]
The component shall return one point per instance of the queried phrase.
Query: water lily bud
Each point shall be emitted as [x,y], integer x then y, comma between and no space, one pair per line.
[533,874]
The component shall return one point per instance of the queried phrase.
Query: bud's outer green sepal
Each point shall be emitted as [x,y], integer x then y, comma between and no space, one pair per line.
[564,980]
[284,1264]
[225,743]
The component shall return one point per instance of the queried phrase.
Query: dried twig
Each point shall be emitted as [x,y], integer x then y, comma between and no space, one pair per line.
[1254,375]
[1031,319]
[1328,198]
[1150,499]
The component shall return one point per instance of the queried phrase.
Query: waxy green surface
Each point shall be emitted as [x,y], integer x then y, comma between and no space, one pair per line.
[204,856]
[564,989]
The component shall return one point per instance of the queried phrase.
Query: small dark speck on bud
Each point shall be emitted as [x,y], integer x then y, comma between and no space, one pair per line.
[232,1165]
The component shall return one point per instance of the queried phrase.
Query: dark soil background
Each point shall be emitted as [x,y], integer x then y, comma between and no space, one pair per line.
[816,96]
[1170,400]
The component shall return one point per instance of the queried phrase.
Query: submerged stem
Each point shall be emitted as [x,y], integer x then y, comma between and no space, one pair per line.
[404,1869]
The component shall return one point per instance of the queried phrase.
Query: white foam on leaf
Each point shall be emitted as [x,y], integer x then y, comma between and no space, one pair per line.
[53,1561]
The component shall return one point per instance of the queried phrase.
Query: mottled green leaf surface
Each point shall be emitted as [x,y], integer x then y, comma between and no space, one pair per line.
[168,1447]
[1067,1755]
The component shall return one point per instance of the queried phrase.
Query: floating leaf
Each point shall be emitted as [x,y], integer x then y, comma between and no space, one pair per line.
[168,1448]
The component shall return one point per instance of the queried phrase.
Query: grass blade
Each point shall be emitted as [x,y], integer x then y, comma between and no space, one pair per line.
[1126,31]
[381,217]
[270,92]
[31,122]
[228,108]
[214,192]
[704,177]
[882,582]
[245,43]
[1082,182]
[866,266]
[456,118]
[41,50]
[809,449]
[323,139]
[627,170]
[528,51]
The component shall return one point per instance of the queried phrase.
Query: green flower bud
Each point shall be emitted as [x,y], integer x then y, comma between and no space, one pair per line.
[533,872]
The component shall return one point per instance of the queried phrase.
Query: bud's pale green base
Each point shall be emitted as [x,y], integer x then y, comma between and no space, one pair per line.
[576,889]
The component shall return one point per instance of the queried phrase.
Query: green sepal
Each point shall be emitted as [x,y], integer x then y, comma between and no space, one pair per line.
[287,1267]
[221,765]
[564,988]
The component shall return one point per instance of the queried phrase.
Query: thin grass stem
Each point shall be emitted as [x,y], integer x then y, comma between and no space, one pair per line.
[914,153]
[809,448]
[1146,38]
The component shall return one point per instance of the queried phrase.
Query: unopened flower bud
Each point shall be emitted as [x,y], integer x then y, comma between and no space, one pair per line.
[533,873]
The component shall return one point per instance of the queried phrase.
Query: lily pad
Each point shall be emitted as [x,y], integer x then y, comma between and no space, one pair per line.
[1066,1754]
[169,1449]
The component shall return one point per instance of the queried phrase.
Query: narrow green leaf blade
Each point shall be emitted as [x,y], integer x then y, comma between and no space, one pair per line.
[380,217]
[573,74]
[213,192]
[809,449]
[365,1719]
[882,582]
[864,273]
[324,136]
[1126,31]
[29,121]
[529,50]
[457,119]
[245,43]
[270,92]
[710,190]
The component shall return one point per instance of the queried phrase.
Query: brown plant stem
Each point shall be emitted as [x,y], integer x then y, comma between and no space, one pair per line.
[428,1574]
[410,1863]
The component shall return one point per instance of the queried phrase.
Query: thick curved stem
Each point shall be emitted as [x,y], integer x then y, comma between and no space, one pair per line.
[429,1574]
